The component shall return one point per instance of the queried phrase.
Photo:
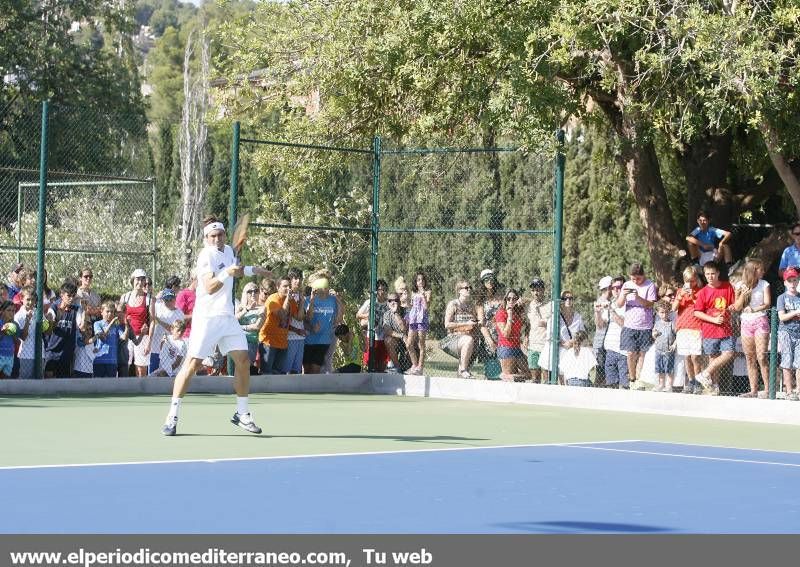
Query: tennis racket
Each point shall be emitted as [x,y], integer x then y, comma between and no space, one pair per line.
[239,235]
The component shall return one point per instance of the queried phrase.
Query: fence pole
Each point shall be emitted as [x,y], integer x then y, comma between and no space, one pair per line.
[234,198]
[19,221]
[233,208]
[38,371]
[771,387]
[373,270]
[154,262]
[558,236]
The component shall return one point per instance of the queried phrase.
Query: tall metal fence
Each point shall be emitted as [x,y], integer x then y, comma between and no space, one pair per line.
[375,217]
[76,189]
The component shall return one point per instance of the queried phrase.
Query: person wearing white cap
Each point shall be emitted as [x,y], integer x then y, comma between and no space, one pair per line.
[488,302]
[601,318]
[140,311]
[214,325]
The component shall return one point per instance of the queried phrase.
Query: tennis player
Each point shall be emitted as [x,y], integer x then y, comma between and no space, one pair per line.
[214,325]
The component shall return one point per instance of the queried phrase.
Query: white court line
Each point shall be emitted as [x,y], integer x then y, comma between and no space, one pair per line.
[697,457]
[287,457]
[721,447]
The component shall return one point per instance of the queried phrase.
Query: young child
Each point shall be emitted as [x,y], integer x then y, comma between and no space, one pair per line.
[173,350]
[577,361]
[418,323]
[123,350]
[60,353]
[789,333]
[85,351]
[141,351]
[166,314]
[664,337]
[352,352]
[109,335]
[8,333]
[25,320]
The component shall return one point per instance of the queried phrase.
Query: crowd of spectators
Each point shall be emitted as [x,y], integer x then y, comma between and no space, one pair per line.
[684,336]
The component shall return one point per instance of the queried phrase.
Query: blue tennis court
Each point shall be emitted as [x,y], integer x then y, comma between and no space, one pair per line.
[614,487]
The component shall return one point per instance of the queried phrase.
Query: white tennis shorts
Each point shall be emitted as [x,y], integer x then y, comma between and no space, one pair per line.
[221,331]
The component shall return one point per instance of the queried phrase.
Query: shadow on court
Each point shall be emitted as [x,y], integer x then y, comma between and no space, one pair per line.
[449,439]
[567,527]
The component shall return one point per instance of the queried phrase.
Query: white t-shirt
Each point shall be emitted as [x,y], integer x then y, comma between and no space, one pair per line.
[27,346]
[173,349]
[168,316]
[213,261]
[614,333]
[576,366]
[84,358]
[756,300]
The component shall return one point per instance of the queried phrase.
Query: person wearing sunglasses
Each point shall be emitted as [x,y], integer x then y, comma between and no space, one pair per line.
[540,311]
[616,362]
[488,300]
[791,254]
[87,297]
[510,321]
[461,322]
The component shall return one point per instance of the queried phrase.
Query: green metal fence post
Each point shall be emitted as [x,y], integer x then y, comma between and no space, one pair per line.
[38,371]
[19,222]
[375,222]
[773,354]
[154,262]
[233,209]
[558,236]
[234,198]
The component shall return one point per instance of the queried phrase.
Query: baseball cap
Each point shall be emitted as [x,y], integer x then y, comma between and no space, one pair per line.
[167,294]
[138,273]
[487,274]
[605,282]
[790,273]
[537,282]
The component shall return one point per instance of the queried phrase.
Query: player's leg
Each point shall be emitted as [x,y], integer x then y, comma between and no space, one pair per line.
[235,345]
[179,388]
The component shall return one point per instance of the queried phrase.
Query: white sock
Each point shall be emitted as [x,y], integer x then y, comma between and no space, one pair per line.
[242,405]
[174,408]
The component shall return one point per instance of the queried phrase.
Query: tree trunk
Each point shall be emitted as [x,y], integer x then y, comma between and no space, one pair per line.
[645,182]
[705,165]
[638,157]
[781,164]
[497,207]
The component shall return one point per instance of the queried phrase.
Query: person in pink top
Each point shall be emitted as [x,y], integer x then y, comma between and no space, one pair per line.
[637,296]
[185,302]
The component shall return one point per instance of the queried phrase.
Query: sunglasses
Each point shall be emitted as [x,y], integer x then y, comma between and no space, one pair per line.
[512,298]
[567,298]
[466,287]
[669,295]
[392,300]
[252,290]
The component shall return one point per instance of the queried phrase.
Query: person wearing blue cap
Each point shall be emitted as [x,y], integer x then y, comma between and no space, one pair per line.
[166,314]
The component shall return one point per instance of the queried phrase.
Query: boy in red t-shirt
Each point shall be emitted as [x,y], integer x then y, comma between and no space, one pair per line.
[713,306]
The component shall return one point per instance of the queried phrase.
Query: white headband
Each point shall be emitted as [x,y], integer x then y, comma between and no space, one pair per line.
[213,226]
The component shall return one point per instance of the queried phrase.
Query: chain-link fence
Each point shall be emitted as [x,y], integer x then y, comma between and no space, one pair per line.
[99,202]
[376,218]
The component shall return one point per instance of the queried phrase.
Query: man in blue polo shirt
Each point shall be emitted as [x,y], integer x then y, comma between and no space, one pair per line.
[708,243]
[791,254]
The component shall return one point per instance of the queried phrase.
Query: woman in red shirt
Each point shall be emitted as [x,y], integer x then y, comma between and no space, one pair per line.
[509,320]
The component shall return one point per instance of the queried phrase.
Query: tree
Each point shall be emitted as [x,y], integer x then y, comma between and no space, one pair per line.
[456,71]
